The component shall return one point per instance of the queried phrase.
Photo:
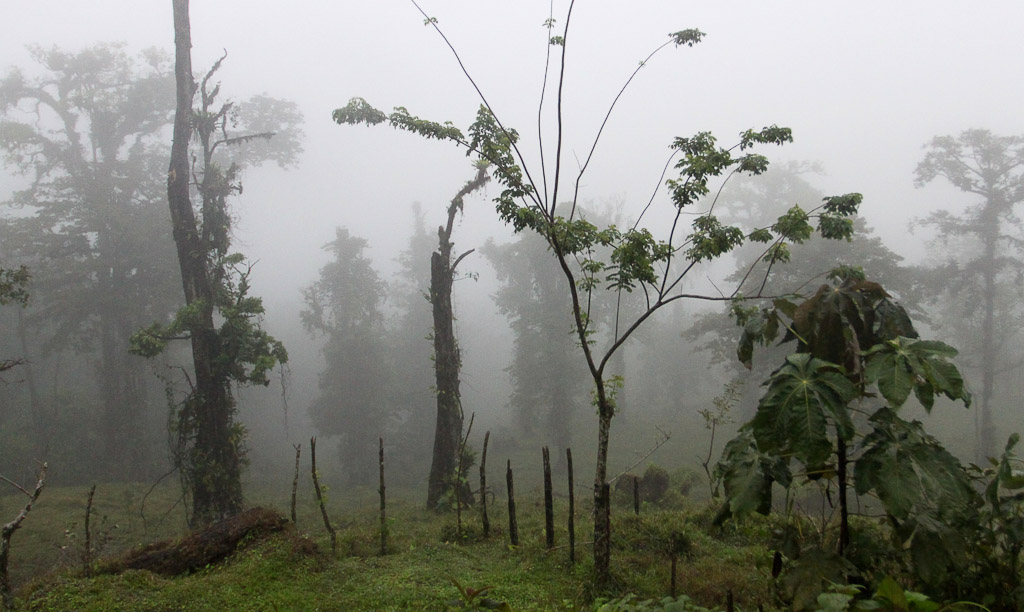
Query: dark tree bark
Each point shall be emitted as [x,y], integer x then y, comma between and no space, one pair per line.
[216,482]
[602,496]
[447,363]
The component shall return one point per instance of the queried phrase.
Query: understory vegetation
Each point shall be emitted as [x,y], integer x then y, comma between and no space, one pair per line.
[430,567]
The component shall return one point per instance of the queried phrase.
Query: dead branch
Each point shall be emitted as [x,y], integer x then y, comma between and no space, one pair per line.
[6,596]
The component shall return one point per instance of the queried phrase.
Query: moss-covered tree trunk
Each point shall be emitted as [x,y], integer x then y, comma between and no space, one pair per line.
[215,478]
[447,363]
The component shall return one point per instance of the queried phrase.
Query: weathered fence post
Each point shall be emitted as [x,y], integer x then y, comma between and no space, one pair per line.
[295,481]
[636,495]
[572,508]
[549,501]
[383,505]
[513,527]
[483,487]
[320,496]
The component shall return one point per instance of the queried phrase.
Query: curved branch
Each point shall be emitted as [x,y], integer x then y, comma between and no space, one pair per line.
[479,93]
[607,115]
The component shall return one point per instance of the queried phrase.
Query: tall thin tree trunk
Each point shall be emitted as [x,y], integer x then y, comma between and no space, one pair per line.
[602,498]
[986,429]
[215,480]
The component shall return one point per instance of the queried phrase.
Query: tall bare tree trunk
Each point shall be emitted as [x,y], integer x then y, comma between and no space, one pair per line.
[215,480]
[985,428]
[447,363]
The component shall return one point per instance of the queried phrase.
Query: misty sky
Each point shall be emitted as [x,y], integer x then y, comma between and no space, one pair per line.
[863,85]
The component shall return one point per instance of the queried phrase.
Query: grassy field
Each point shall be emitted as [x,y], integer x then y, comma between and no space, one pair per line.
[296,570]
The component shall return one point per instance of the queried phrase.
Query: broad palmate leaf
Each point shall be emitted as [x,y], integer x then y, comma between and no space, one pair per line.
[804,397]
[748,474]
[907,469]
[902,365]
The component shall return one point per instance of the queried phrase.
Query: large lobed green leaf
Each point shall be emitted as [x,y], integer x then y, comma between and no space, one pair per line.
[902,365]
[747,475]
[907,469]
[804,396]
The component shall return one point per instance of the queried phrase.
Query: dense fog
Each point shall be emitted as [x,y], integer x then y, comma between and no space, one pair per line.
[864,87]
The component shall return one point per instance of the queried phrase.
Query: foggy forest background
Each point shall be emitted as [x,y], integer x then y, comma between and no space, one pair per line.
[346,218]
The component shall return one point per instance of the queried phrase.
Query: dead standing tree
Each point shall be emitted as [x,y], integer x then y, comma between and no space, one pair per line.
[447,362]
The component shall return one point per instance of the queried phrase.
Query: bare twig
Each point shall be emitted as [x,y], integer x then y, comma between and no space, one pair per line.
[6,595]
[665,437]
[142,506]
[320,496]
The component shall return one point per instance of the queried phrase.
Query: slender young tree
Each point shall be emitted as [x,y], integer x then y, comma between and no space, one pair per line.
[981,278]
[623,260]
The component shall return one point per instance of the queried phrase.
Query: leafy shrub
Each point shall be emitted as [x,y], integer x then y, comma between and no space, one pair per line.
[654,484]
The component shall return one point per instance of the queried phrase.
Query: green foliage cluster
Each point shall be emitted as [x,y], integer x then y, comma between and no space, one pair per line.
[248,353]
[888,597]
[634,256]
[14,285]
[852,340]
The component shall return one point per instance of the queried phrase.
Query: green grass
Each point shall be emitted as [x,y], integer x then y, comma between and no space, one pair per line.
[281,573]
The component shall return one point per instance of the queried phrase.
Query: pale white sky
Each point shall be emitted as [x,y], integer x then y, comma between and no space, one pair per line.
[863,85]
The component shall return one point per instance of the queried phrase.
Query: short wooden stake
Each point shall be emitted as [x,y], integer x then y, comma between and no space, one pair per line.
[483,487]
[549,501]
[320,496]
[383,505]
[513,527]
[636,495]
[572,508]
[295,481]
